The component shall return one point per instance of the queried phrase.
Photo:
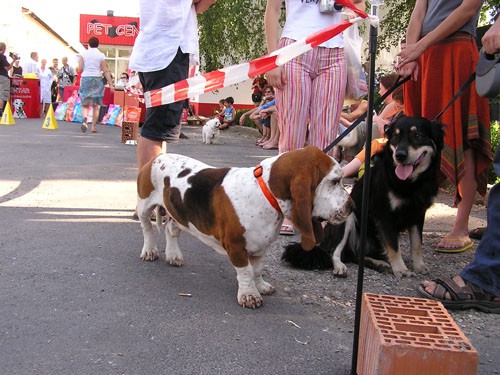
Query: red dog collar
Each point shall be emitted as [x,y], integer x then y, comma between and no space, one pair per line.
[257,172]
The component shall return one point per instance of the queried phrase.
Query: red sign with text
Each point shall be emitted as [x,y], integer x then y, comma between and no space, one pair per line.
[120,31]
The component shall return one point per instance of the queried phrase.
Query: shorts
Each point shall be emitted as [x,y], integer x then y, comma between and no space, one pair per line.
[256,98]
[163,123]
[266,122]
[4,88]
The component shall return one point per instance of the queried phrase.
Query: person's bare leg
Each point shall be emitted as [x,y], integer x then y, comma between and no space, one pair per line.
[95,116]
[467,190]
[85,112]
[148,149]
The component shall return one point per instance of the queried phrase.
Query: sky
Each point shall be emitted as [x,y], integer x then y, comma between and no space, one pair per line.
[64,16]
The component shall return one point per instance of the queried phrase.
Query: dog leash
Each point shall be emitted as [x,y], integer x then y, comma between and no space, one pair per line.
[459,92]
[398,83]
[361,118]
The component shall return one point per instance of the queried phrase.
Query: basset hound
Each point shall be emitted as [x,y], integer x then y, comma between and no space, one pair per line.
[238,211]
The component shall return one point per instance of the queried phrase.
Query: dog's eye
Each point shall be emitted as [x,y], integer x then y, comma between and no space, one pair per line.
[335,181]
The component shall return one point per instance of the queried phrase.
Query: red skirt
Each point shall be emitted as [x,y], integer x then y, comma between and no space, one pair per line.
[444,68]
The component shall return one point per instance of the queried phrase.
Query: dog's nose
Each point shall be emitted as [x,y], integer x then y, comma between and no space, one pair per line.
[401,155]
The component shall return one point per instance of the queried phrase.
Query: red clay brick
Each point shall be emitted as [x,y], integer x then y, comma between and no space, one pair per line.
[405,335]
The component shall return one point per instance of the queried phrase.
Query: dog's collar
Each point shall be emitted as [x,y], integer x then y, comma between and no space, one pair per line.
[257,172]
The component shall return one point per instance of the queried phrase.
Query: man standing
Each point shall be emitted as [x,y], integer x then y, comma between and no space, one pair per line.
[66,77]
[32,64]
[54,69]
[4,77]
[167,39]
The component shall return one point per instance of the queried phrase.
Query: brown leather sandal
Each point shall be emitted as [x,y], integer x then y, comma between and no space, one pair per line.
[462,298]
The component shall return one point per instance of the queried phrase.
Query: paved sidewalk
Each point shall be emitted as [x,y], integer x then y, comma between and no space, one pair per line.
[76,299]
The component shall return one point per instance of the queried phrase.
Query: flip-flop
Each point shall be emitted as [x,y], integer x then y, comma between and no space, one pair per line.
[94,131]
[83,127]
[465,243]
[287,230]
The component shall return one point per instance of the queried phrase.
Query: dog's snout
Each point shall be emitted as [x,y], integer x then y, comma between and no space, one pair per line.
[401,155]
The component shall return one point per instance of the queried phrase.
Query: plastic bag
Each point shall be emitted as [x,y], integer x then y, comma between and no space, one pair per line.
[61,109]
[356,79]
[131,113]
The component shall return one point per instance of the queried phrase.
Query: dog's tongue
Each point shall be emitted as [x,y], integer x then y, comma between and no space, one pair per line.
[403,171]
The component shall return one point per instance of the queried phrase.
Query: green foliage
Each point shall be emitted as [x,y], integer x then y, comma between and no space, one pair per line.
[231,32]
[249,123]
[495,138]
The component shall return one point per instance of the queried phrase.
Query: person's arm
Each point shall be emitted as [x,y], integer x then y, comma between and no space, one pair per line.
[105,70]
[491,40]
[360,4]
[203,5]
[362,107]
[275,77]
[247,113]
[81,64]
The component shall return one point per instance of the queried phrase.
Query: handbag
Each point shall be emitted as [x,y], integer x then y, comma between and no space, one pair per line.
[356,78]
[488,75]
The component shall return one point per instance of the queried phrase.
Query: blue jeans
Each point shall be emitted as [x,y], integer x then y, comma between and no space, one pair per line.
[484,271]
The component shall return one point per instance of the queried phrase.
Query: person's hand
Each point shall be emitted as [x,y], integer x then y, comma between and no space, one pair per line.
[409,69]
[276,78]
[491,40]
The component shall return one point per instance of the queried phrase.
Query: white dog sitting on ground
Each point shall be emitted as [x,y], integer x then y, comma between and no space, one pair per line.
[18,105]
[211,131]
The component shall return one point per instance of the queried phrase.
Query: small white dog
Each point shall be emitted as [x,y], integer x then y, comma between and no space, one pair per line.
[18,105]
[210,131]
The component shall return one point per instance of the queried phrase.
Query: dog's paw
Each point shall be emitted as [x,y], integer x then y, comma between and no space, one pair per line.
[339,269]
[404,273]
[175,261]
[420,268]
[149,255]
[250,300]
[265,288]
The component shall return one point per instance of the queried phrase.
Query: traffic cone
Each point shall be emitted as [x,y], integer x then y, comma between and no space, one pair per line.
[50,122]
[7,118]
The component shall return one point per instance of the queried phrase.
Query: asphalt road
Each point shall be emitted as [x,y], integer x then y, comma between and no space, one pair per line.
[76,299]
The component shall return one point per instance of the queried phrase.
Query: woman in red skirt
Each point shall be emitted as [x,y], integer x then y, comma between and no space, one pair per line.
[440,55]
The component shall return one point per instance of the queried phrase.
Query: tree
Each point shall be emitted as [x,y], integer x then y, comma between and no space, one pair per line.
[232,32]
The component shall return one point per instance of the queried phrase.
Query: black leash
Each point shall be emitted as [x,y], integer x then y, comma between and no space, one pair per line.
[459,92]
[361,118]
[398,83]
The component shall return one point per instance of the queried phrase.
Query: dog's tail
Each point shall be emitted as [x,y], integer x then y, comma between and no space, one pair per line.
[316,259]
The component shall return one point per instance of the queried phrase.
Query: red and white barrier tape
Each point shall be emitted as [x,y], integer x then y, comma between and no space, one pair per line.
[218,79]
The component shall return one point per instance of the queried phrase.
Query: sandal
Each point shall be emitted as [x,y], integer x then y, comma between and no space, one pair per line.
[466,297]
[83,128]
[454,245]
[287,230]
[477,233]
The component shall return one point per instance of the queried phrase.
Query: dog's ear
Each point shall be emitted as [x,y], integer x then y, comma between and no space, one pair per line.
[437,133]
[302,205]
[295,175]
[388,130]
